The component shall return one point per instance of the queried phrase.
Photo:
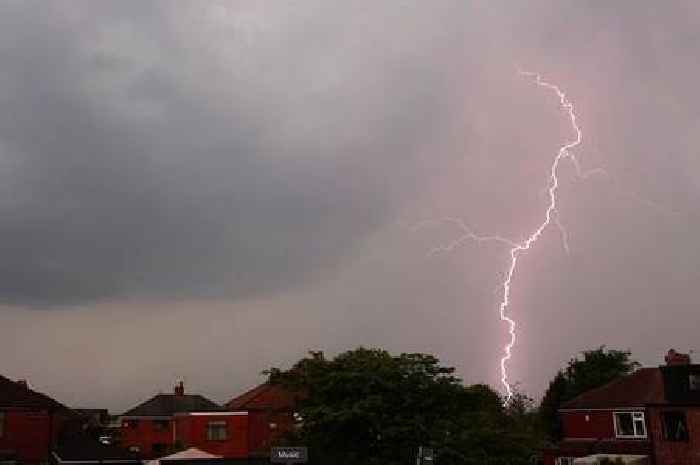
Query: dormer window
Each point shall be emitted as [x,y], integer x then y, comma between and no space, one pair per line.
[630,425]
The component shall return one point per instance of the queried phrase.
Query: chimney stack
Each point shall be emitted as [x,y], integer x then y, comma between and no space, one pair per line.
[23,383]
[674,358]
[180,389]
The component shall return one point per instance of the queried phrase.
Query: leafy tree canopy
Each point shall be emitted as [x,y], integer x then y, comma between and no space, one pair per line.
[367,406]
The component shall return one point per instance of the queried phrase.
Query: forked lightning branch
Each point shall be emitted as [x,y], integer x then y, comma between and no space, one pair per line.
[518,248]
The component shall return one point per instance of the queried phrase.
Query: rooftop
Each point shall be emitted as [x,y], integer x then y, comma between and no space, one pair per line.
[675,383]
[263,397]
[18,395]
[170,404]
[644,386]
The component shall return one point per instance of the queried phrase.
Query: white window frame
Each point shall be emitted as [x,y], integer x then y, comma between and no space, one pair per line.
[565,461]
[637,415]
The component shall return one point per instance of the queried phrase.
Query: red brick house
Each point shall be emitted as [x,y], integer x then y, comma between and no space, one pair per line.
[168,422]
[270,410]
[652,413]
[30,423]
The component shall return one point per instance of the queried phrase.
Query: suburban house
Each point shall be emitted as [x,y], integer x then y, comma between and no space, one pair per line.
[171,422]
[270,410]
[30,423]
[650,416]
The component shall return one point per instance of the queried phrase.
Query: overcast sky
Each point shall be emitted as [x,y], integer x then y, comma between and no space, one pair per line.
[202,190]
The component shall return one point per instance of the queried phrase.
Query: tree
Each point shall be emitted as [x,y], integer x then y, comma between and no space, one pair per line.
[367,406]
[549,407]
[596,368]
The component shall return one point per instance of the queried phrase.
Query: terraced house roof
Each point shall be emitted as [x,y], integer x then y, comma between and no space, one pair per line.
[170,404]
[644,386]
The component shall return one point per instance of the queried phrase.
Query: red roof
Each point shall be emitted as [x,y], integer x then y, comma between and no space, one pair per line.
[263,397]
[644,386]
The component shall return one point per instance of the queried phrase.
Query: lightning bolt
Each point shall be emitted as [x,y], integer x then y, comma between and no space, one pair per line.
[550,212]
[551,215]
[466,236]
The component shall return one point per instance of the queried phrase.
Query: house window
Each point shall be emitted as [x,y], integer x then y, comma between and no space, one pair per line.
[675,426]
[694,382]
[630,425]
[217,431]
[565,461]
[134,449]
[161,425]
[131,424]
[2,424]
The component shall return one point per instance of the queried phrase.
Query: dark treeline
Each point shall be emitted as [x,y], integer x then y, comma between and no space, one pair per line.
[366,407]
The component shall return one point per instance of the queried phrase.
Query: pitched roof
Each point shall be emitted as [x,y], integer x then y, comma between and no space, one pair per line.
[169,404]
[644,386]
[17,395]
[87,449]
[263,397]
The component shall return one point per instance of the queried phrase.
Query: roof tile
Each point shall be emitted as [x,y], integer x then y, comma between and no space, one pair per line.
[263,397]
[170,404]
[644,386]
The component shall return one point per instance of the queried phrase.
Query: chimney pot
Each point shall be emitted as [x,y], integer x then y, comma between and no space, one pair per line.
[180,389]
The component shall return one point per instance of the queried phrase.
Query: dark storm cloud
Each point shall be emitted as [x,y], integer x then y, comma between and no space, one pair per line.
[185,151]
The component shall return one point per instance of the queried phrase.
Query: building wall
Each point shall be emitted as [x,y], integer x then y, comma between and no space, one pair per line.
[593,431]
[145,435]
[549,457]
[676,453]
[27,434]
[588,425]
[182,430]
[265,427]
[191,431]
[270,415]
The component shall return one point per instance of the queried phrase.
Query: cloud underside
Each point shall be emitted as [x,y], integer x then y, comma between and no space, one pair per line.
[213,150]
[241,149]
